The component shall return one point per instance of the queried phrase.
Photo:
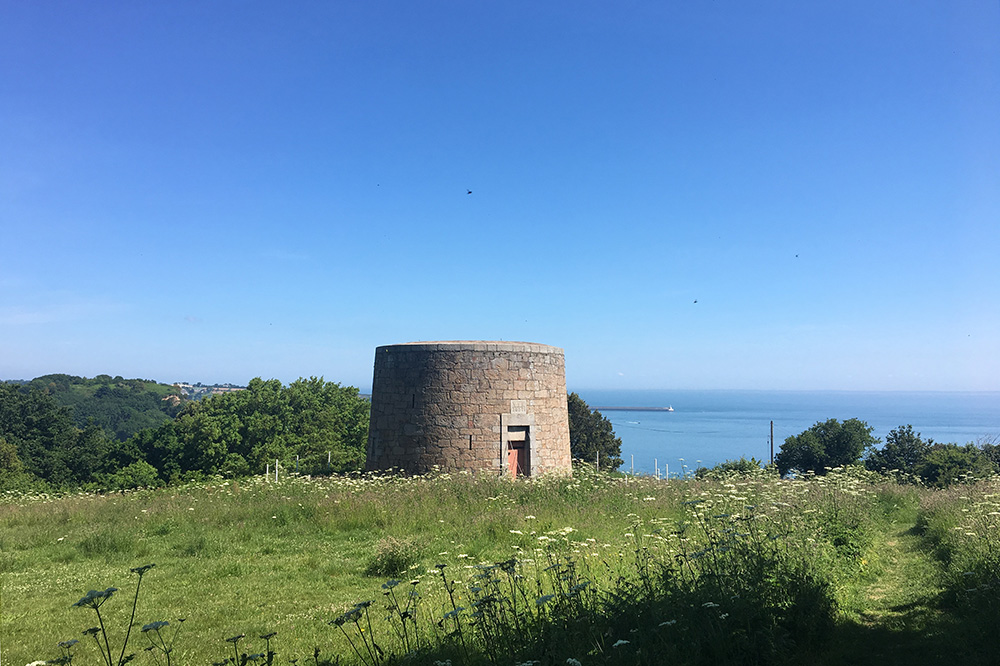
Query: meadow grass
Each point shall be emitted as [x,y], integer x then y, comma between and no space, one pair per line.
[594,568]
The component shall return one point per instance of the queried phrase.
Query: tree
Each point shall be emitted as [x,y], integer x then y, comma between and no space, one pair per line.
[244,431]
[590,434]
[826,444]
[904,450]
[946,464]
[10,463]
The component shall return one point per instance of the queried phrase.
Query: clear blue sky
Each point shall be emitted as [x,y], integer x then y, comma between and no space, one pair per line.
[772,195]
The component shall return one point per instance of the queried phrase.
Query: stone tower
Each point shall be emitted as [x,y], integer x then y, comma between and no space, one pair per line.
[498,407]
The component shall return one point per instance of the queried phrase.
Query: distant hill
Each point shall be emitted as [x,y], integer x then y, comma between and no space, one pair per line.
[121,407]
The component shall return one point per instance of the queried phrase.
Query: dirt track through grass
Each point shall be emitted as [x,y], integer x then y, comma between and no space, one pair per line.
[896,617]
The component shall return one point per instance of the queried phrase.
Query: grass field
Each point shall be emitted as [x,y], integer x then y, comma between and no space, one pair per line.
[596,569]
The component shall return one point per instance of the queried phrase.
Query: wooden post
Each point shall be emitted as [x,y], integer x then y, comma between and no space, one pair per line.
[275,470]
[772,442]
[598,461]
[267,474]
[328,466]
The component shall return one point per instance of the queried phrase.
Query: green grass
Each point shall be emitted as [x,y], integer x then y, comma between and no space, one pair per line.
[843,568]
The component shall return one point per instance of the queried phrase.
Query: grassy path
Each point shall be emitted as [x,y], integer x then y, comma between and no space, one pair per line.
[893,615]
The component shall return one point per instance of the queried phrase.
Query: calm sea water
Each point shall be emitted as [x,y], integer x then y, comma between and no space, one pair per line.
[709,427]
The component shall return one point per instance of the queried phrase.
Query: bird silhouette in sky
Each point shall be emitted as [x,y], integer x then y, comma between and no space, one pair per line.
[468,191]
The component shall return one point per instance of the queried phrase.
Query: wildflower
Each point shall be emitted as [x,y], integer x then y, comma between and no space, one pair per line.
[620,643]
[68,644]
[155,626]
[668,623]
[143,569]
[544,599]
[389,584]
[94,599]
[573,662]
[710,604]
[233,639]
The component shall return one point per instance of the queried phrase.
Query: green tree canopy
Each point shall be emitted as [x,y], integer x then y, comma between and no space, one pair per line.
[590,434]
[945,464]
[122,407]
[826,444]
[42,441]
[904,450]
[243,431]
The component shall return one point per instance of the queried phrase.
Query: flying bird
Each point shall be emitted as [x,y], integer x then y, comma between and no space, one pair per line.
[468,191]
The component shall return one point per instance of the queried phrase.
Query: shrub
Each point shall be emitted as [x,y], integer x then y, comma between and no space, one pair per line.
[392,557]
[946,464]
[139,474]
[741,467]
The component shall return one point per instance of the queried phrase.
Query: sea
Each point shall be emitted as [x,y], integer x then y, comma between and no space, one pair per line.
[710,427]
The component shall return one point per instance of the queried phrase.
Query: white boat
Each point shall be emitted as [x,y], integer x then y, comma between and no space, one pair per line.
[670,408]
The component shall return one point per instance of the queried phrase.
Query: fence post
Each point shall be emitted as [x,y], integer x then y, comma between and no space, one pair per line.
[275,470]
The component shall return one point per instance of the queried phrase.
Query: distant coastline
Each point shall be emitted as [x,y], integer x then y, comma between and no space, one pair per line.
[711,426]
[605,408]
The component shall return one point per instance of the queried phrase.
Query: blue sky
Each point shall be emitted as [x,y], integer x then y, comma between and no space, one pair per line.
[768,195]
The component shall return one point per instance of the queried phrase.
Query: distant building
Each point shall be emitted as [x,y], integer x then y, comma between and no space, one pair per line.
[199,391]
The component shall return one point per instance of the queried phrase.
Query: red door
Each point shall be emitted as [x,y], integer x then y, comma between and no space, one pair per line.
[517,459]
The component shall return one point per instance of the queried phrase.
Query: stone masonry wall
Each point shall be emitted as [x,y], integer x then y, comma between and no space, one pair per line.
[446,404]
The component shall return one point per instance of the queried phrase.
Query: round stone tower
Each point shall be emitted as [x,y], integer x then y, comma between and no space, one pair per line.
[470,405]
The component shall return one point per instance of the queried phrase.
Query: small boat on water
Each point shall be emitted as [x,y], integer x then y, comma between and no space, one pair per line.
[669,408]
